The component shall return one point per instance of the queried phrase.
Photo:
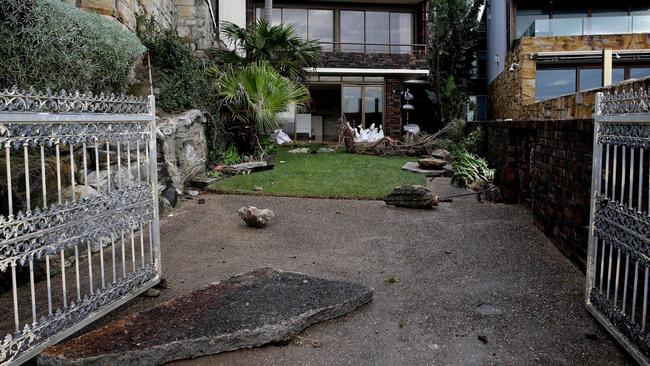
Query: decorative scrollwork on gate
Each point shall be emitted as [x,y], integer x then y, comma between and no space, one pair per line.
[33,335]
[16,100]
[625,102]
[633,135]
[623,227]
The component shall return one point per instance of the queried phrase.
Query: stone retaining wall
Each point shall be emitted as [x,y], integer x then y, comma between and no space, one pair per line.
[546,166]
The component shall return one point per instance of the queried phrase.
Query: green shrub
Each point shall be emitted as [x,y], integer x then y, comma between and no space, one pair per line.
[177,71]
[469,168]
[49,44]
[231,156]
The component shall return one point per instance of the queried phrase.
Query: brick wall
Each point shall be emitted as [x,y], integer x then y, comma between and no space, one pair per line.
[546,166]
[393,107]
[374,60]
[512,94]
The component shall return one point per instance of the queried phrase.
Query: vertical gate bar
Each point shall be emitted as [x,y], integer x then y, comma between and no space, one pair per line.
[15,295]
[108,166]
[76,267]
[631,182]
[146,157]
[615,163]
[635,290]
[640,193]
[10,200]
[154,186]
[101,261]
[28,193]
[119,163]
[137,153]
[645,300]
[141,245]
[65,295]
[90,268]
[606,169]
[602,262]
[609,269]
[72,182]
[596,184]
[618,271]
[49,284]
[133,250]
[113,254]
[128,155]
[85,162]
[623,170]
[43,177]
[97,161]
[627,267]
[123,256]
[150,243]
[58,171]
[32,288]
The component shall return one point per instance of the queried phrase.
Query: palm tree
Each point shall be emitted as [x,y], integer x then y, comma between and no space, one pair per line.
[252,97]
[278,45]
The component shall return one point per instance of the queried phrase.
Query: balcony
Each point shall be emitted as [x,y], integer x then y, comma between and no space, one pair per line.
[374,55]
[589,26]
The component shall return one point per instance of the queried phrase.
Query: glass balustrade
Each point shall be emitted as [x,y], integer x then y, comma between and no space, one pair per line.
[588,26]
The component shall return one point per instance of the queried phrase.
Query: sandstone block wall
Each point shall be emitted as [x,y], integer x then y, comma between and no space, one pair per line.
[512,94]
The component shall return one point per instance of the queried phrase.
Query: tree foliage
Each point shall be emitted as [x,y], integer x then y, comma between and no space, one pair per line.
[452,31]
[49,44]
[278,45]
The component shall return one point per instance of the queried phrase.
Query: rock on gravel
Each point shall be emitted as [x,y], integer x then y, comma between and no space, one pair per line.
[247,310]
[255,217]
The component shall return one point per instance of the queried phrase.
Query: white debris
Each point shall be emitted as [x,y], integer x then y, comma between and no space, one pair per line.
[281,138]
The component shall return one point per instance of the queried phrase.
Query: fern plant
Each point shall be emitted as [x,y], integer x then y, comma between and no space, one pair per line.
[469,168]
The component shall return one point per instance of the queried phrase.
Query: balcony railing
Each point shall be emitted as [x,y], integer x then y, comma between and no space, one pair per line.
[386,48]
[588,26]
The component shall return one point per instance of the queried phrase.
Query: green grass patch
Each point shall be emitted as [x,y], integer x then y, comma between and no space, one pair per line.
[325,175]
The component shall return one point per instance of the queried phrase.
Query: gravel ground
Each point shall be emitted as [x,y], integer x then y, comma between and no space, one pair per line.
[465,284]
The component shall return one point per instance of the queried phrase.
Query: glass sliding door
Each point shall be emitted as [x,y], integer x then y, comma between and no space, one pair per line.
[373,105]
[352,105]
[377,32]
[352,31]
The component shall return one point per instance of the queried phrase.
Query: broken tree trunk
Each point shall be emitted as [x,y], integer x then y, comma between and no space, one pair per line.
[412,197]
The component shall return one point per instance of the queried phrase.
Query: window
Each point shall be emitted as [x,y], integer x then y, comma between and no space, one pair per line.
[401,32]
[555,82]
[352,31]
[352,104]
[377,31]
[618,74]
[639,72]
[374,109]
[590,78]
[309,24]
[321,27]
[366,113]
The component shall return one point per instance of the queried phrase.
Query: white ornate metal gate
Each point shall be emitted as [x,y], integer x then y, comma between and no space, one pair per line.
[619,240]
[79,217]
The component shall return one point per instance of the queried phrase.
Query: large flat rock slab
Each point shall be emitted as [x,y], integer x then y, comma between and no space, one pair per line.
[247,310]
[413,166]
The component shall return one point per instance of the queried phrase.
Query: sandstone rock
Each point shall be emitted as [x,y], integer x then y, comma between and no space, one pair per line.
[442,154]
[301,150]
[184,146]
[247,310]
[170,195]
[255,217]
[325,150]
[412,197]
[432,164]
[80,191]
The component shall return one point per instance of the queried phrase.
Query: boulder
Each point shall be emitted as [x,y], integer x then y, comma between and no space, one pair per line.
[80,191]
[255,217]
[184,146]
[432,164]
[442,154]
[412,197]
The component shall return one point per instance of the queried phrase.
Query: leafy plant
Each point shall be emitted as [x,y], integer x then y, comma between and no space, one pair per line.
[231,156]
[277,45]
[452,27]
[50,44]
[251,99]
[267,146]
[469,168]
[177,71]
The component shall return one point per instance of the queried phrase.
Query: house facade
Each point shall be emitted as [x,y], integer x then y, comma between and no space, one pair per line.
[543,50]
[373,51]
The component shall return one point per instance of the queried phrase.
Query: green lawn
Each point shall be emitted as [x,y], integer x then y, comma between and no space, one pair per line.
[326,175]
